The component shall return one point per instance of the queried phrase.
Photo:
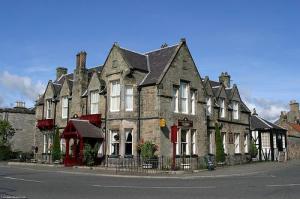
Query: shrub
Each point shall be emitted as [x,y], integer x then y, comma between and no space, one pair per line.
[220,155]
[253,150]
[148,150]
[56,153]
[5,152]
[90,154]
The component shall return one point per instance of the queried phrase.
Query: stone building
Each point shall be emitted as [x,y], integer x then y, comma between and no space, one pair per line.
[132,93]
[22,120]
[290,120]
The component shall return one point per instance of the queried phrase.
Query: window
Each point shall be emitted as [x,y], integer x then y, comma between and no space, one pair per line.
[211,139]
[64,107]
[235,112]
[208,106]
[94,102]
[236,143]
[246,145]
[283,141]
[114,142]
[193,103]
[274,141]
[193,141]
[224,142]
[184,97]
[175,100]
[115,96]
[128,142]
[48,109]
[177,143]
[222,108]
[129,98]
[265,140]
[184,142]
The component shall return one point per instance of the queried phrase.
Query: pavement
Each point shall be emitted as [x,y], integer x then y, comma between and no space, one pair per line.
[260,180]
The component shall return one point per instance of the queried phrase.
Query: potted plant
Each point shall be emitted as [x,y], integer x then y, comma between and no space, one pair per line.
[253,151]
[148,150]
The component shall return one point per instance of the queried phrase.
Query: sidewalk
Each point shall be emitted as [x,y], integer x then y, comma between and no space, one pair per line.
[226,171]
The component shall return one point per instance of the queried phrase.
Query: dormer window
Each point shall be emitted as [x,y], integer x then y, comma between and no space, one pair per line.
[94,102]
[48,109]
[222,108]
[64,107]
[235,112]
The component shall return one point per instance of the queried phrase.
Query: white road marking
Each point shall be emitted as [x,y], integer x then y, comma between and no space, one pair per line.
[21,179]
[282,185]
[151,187]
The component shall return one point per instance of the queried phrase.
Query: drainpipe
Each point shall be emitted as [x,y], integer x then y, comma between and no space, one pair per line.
[139,117]
[105,138]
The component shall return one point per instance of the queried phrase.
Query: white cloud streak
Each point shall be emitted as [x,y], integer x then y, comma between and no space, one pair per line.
[21,85]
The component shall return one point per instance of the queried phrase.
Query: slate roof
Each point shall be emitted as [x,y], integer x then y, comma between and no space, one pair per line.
[86,129]
[258,123]
[17,110]
[135,60]
[214,83]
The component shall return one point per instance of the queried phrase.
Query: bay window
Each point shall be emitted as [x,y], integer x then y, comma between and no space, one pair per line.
[94,102]
[184,142]
[224,142]
[211,142]
[115,93]
[114,142]
[64,107]
[128,98]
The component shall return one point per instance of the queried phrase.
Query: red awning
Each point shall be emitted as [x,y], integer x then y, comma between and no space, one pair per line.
[82,128]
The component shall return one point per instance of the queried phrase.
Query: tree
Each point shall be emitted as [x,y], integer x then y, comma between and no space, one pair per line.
[220,155]
[56,153]
[90,154]
[6,132]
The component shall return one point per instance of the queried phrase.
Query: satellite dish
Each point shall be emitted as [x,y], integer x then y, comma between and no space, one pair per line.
[102,89]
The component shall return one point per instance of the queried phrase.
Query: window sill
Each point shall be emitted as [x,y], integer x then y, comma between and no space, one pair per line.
[128,156]
[114,111]
[113,156]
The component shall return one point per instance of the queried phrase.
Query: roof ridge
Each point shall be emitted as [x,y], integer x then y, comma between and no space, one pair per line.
[262,120]
[133,51]
[145,53]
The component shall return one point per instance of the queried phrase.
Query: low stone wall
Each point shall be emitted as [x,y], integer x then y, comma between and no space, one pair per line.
[237,159]
[293,148]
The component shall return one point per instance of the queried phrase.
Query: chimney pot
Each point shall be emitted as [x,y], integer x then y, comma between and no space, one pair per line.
[81,60]
[225,79]
[61,71]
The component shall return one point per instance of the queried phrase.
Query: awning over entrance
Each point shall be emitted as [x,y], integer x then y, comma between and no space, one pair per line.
[76,133]
[83,129]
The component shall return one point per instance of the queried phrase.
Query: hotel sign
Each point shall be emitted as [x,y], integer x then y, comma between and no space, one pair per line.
[185,123]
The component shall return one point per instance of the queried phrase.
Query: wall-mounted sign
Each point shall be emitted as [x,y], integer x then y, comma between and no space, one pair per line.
[185,123]
[162,122]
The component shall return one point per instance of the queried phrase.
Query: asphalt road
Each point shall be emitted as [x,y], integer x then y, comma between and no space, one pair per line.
[44,183]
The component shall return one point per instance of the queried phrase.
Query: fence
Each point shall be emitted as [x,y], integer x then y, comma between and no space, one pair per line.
[156,165]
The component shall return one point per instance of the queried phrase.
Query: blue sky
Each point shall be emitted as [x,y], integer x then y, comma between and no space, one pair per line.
[256,42]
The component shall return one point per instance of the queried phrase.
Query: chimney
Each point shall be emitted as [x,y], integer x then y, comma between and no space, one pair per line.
[225,79]
[20,104]
[61,71]
[294,106]
[81,60]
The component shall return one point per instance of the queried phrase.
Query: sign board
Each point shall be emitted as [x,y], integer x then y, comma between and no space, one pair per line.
[162,122]
[185,123]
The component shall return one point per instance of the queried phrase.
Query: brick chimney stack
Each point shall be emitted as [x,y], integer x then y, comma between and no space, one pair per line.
[61,71]
[81,60]
[225,79]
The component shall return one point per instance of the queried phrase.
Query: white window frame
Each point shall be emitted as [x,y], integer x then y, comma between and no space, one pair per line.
[127,132]
[265,140]
[64,107]
[184,97]
[222,108]
[193,102]
[115,95]
[48,108]
[237,143]
[224,142]
[177,143]
[94,102]
[175,99]
[235,111]
[193,141]
[274,141]
[113,142]
[185,146]
[211,145]
[246,143]
[209,106]
[128,98]
[283,141]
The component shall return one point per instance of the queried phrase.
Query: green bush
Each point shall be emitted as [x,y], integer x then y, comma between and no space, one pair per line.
[148,150]
[90,154]
[5,152]
[220,155]
[253,150]
[56,153]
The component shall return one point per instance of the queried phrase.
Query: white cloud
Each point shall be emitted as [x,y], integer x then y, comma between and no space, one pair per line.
[21,85]
[266,108]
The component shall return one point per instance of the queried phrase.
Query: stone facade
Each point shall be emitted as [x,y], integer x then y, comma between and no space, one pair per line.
[135,91]
[23,121]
